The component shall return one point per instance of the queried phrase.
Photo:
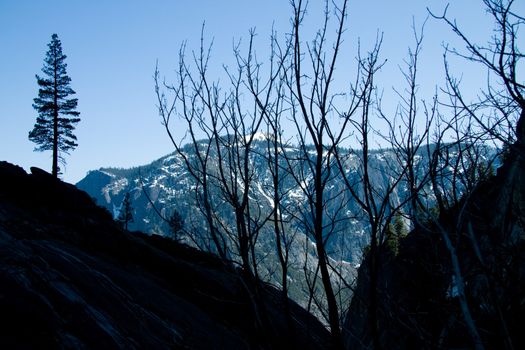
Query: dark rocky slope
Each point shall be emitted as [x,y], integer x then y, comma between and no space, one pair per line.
[69,278]
[418,303]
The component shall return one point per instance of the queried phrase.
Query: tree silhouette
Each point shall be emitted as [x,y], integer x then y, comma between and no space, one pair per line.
[126,212]
[176,223]
[57,114]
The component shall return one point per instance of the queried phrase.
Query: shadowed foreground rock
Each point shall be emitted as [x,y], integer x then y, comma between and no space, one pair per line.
[69,278]
[418,298]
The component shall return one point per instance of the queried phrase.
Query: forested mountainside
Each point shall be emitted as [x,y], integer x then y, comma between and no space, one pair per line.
[70,278]
[165,186]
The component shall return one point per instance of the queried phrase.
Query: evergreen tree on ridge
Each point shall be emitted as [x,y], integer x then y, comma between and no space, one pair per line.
[57,115]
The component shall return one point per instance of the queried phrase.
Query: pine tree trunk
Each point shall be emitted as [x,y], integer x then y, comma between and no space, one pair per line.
[55,125]
[55,140]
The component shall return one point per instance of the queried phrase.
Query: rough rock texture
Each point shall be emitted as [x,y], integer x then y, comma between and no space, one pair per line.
[418,296]
[69,278]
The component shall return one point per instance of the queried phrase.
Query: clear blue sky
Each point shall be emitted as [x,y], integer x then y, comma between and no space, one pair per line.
[112,47]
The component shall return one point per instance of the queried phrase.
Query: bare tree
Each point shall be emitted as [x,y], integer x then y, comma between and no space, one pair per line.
[223,168]
[322,125]
[186,94]
[501,105]
[269,96]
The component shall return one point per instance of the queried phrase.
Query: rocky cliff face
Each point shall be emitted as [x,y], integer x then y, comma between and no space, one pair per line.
[69,278]
[419,297]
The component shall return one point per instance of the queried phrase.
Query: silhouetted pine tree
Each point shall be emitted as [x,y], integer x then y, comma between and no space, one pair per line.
[126,212]
[176,223]
[57,115]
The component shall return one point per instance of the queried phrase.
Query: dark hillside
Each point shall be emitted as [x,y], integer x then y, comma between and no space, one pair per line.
[69,278]
[419,304]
